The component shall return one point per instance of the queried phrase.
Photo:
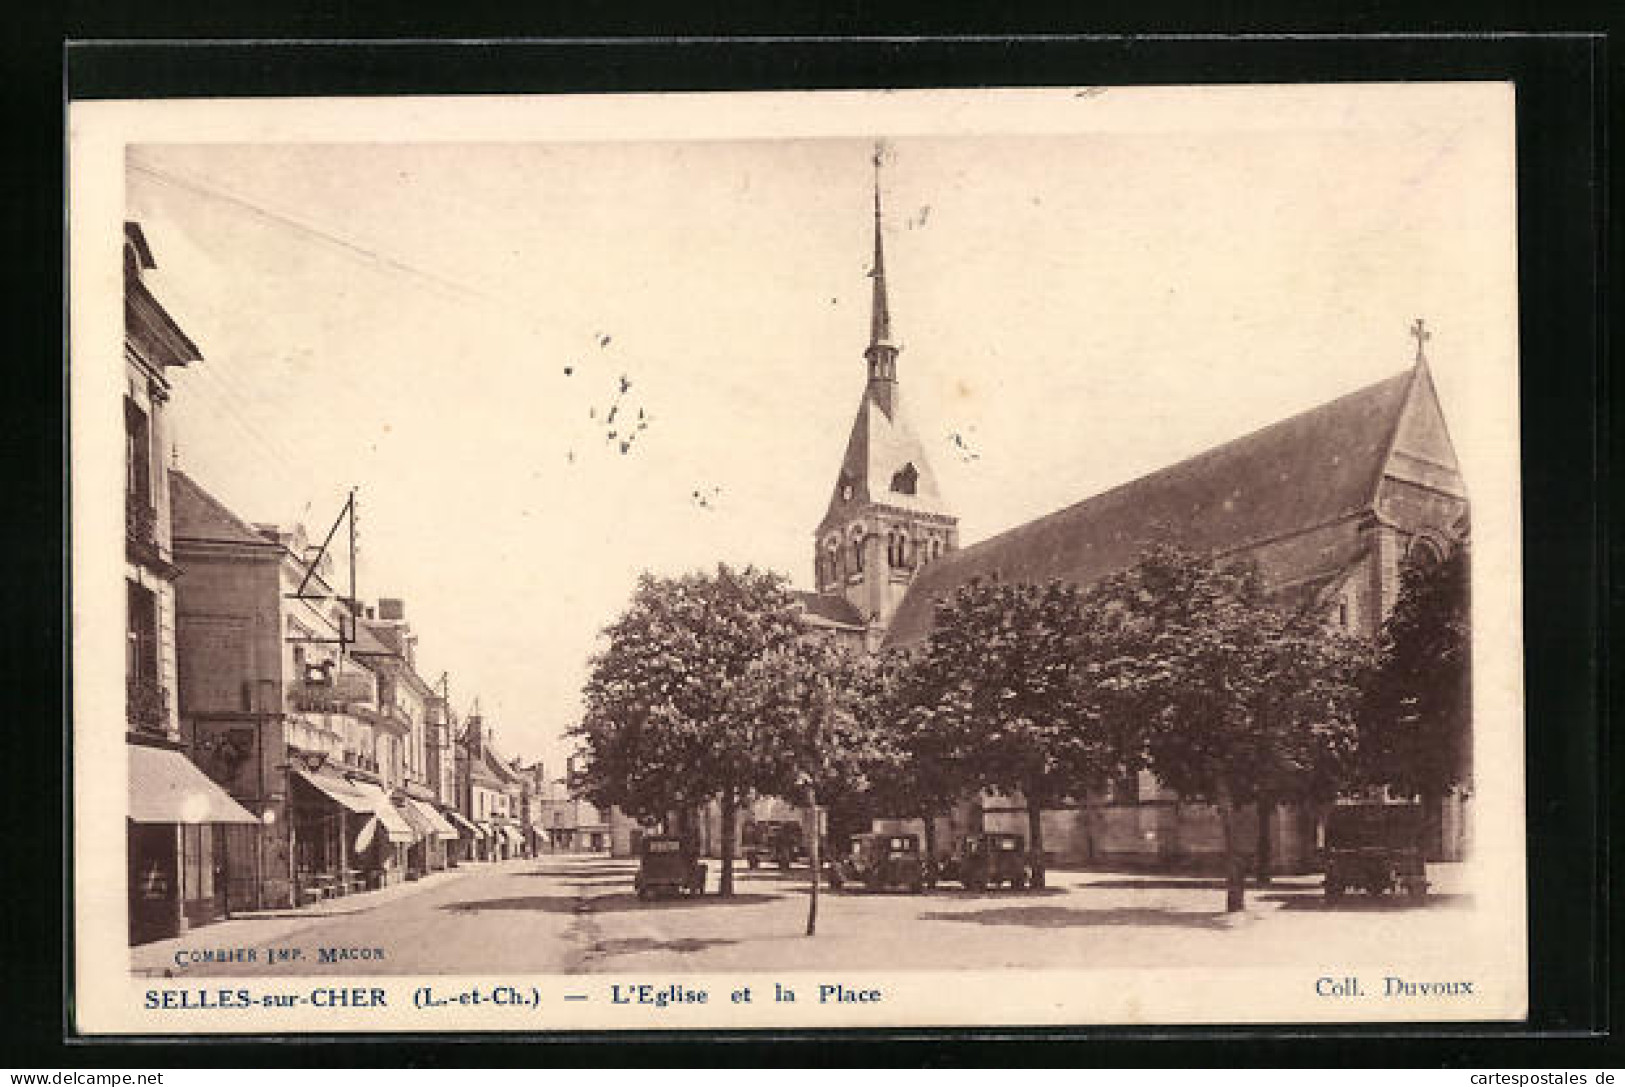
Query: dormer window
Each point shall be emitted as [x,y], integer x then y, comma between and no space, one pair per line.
[906,480]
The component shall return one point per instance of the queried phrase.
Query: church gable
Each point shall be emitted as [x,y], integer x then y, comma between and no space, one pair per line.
[1422,452]
[896,456]
[884,465]
[1421,492]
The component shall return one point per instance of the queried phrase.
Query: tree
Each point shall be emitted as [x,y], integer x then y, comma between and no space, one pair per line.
[1239,702]
[1416,721]
[664,728]
[813,700]
[911,767]
[1006,663]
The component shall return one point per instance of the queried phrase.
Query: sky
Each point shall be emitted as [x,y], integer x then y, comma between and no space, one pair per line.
[445,326]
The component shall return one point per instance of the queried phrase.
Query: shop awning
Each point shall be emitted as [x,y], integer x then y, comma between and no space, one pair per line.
[166,788]
[389,817]
[337,790]
[421,828]
[437,826]
[486,830]
[512,835]
[469,830]
[364,839]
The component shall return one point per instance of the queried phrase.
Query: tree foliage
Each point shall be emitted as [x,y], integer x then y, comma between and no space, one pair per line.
[1238,702]
[913,769]
[665,726]
[814,700]
[1007,664]
[1416,722]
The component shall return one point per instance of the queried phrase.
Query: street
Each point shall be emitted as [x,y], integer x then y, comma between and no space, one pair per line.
[578,914]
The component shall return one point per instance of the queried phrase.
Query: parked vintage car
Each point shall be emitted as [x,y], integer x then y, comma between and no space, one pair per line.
[778,840]
[879,862]
[1375,848]
[666,866]
[987,860]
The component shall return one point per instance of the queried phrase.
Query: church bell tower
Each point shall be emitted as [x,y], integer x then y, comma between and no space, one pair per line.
[886,518]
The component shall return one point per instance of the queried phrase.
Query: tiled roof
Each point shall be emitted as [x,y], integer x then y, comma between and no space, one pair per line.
[195,514]
[381,637]
[367,643]
[823,609]
[1296,474]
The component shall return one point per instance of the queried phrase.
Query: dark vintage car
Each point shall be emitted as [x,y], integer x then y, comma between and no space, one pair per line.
[988,860]
[879,862]
[778,840]
[666,867]
[1376,848]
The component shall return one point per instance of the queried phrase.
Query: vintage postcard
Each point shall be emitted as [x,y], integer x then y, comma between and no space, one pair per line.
[796,560]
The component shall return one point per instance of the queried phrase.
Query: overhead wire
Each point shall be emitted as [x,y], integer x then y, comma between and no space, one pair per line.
[352,248]
[436,283]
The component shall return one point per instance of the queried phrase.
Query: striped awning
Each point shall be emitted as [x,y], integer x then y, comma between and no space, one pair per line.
[436,824]
[336,789]
[469,830]
[389,817]
[421,827]
[166,788]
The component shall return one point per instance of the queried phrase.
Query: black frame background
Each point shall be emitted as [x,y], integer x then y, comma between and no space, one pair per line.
[1562,82]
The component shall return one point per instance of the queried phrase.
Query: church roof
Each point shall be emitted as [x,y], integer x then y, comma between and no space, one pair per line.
[1305,471]
[828,610]
[879,447]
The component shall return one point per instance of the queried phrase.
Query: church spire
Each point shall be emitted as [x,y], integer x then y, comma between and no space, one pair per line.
[881,352]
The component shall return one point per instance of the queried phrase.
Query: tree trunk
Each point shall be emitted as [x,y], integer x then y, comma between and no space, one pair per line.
[814,860]
[1235,884]
[928,821]
[1035,837]
[730,815]
[1266,843]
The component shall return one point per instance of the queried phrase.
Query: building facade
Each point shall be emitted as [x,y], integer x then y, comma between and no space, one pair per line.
[302,709]
[492,794]
[176,847]
[569,824]
[408,708]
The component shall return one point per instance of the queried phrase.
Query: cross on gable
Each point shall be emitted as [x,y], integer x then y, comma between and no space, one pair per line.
[1421,335]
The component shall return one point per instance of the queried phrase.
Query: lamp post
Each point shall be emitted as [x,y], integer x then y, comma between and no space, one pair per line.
[819,728]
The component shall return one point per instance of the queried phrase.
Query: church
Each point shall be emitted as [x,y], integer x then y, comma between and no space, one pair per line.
[1330,503]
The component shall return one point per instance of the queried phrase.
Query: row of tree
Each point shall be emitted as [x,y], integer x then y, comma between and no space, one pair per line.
[709,689]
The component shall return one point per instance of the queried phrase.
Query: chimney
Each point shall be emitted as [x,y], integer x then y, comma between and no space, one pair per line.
[391,608]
